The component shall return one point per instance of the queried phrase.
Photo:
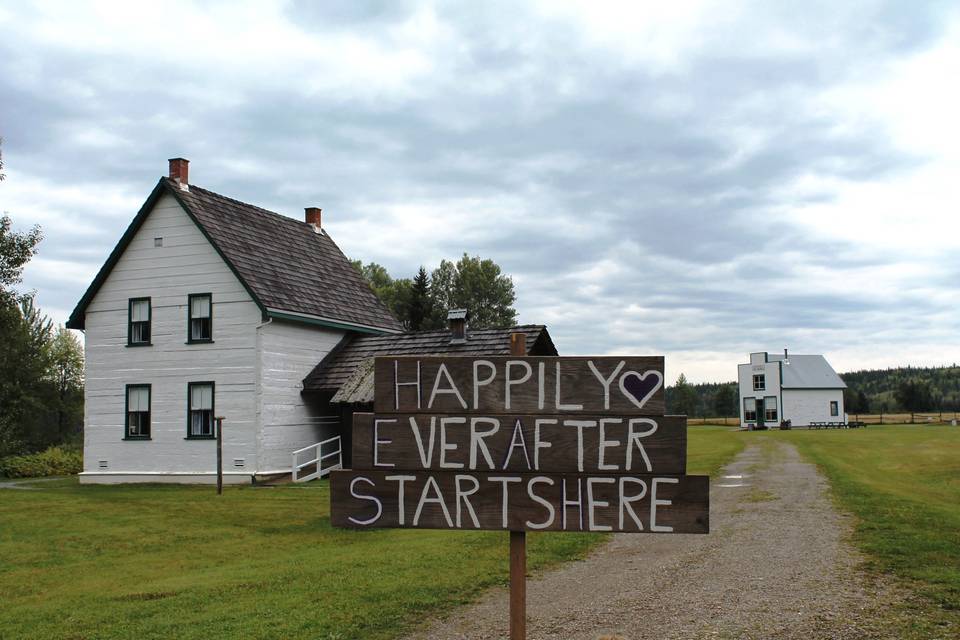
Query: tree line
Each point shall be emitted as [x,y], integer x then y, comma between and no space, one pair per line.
[703,400]
[422,302]
[41,366]
[895,390]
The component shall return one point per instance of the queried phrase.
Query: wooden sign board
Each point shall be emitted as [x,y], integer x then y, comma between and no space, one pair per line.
[513,385]
[518,502]
[520,443]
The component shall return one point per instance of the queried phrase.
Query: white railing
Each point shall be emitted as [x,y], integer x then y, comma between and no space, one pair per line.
[316,466]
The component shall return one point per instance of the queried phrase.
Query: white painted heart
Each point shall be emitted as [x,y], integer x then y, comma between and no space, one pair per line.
[637,389]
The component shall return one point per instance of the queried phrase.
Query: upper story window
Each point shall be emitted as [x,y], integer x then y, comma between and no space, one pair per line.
[138,412]
[200,416]
[759,382]
[138,322]
[200,317]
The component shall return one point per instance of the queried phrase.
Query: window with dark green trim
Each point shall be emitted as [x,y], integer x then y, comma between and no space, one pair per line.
[139,316]
[770,408]
[200,403]
[749,410]
[137,412]
[200,317]
[760,382]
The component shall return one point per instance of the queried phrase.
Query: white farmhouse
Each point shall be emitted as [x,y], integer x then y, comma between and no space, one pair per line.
[212,307]
[799,388]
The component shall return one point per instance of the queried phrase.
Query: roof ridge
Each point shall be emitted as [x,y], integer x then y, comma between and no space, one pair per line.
[258,208]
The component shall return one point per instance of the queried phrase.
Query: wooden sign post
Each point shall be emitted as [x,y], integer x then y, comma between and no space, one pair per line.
[517,443]
[518,543]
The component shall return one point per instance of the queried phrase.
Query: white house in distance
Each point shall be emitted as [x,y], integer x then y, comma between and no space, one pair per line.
[799,388]
[212,307]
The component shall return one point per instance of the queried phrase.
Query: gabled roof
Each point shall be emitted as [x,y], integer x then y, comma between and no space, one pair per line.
[347,372]
[290,271]
[807,372]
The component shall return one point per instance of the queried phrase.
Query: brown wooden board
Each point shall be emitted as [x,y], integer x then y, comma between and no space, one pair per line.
[541,443]
[513,501]
[511,385]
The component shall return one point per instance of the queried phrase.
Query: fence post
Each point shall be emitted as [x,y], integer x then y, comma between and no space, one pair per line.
[219,420]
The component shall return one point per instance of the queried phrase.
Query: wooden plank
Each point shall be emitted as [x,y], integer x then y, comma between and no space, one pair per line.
[543,443]
[516,502]
[506,384]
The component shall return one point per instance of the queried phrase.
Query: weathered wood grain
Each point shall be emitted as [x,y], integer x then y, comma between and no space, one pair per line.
[510,501]
[505,384]
[542,443]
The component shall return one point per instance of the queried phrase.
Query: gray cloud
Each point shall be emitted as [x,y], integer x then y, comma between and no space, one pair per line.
[646,195]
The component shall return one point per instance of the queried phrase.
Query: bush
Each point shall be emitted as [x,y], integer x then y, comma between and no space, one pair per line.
[55,461]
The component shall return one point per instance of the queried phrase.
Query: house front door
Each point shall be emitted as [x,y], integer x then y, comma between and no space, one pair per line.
[759,407]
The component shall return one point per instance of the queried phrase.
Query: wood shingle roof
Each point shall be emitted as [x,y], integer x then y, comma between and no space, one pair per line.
[289,269]
[347,372]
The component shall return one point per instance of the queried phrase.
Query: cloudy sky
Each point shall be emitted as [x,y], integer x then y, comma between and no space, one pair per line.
[692,179]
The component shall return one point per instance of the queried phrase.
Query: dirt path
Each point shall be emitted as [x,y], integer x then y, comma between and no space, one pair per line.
[776,565]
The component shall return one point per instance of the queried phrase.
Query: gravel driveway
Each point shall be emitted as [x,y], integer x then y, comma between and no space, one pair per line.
[776,565]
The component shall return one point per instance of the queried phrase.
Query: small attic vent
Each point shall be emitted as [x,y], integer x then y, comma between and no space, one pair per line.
[239,462]
[103,464]
[158,242]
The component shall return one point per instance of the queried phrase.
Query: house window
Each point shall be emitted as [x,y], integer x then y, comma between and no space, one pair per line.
[834,408]
[749,410]
[200,317]
[138,412]
[138,325]
[200,418]
[770,408]
[759,382]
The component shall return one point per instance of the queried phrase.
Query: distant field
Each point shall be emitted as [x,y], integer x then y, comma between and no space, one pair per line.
[155,561]
[903,484]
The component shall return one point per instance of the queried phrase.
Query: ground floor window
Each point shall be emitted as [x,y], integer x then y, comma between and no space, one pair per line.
[770,408]
[138,411]
[749,410]
[200,402]
[834,408]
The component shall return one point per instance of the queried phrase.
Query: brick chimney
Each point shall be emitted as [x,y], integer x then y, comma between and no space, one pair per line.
[458,319]
[312,217]
[179,170]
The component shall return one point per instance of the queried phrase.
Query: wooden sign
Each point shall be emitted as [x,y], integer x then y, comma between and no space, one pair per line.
[520,443]
[517,502]
[517,443]
[514,385]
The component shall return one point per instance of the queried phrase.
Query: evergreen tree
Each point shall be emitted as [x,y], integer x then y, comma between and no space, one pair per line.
[725,401]
[684,400]
[420,307]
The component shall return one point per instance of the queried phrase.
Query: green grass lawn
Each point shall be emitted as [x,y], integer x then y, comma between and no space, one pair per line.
[154,561]
[903,484]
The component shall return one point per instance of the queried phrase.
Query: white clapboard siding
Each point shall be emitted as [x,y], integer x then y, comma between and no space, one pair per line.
[185,264]
[288,352]
[803,406]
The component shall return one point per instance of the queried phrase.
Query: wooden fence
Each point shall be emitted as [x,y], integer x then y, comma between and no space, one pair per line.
[944,417]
